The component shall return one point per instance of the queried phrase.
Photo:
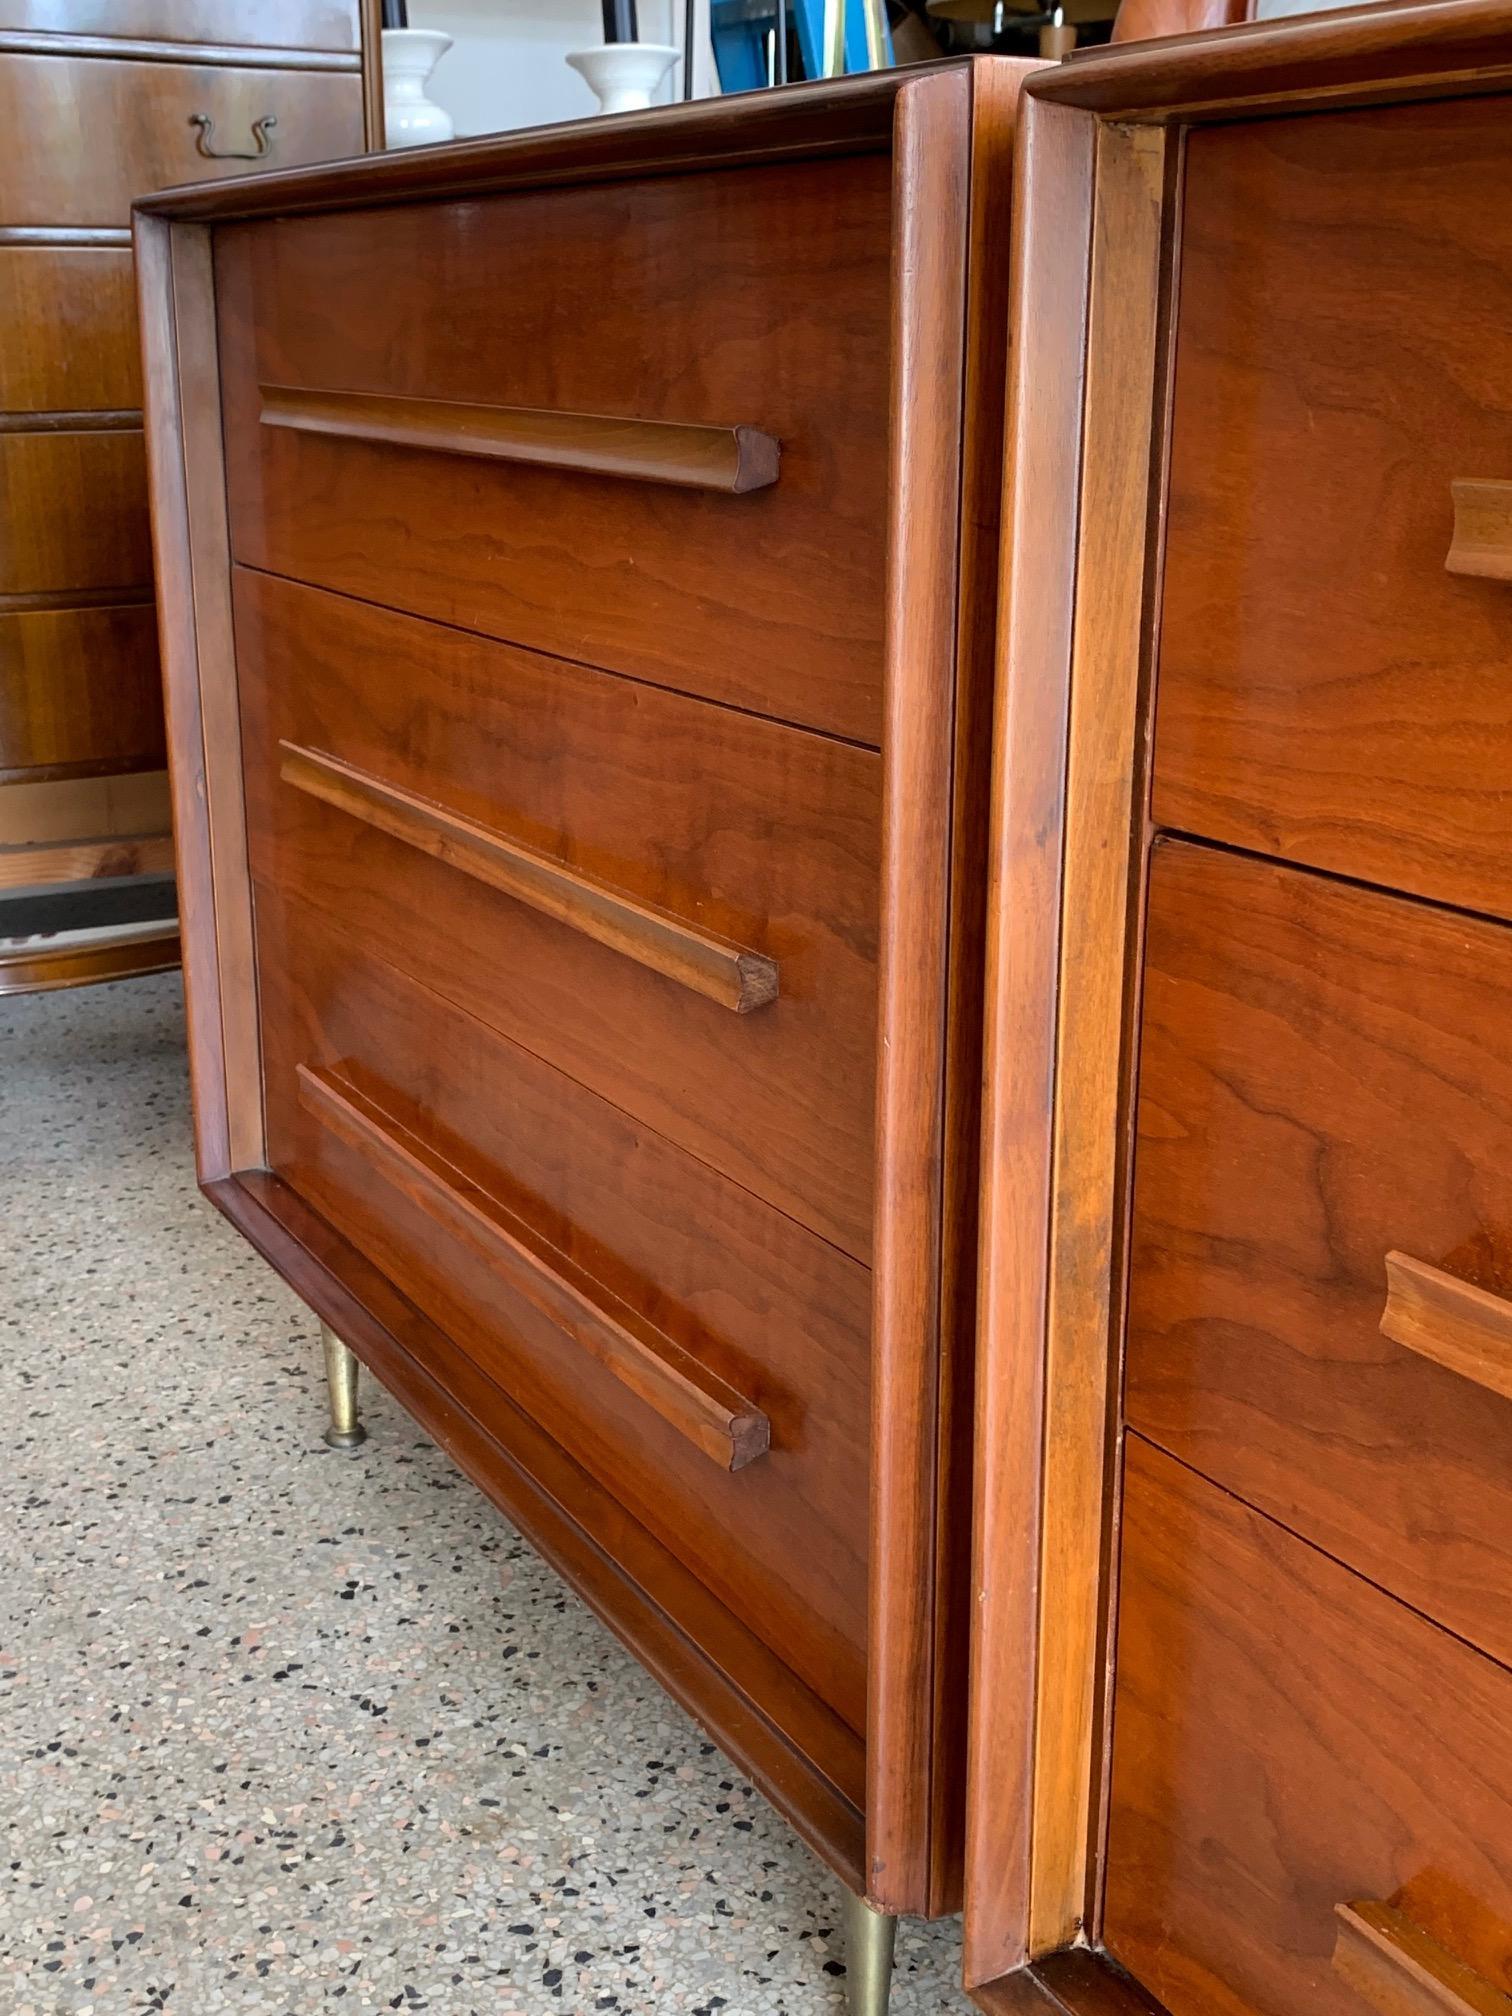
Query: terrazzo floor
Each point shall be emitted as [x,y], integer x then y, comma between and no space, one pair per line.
[284,1730]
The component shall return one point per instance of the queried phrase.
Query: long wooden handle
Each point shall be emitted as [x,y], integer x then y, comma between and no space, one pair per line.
[694,958]
[720,1422]
[1459,1326]
[729,459]
[1482,542]
[1399,1970]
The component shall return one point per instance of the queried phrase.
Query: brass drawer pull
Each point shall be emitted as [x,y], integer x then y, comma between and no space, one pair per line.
[720,1422]
[729,459]
[1459,1326]
[262,145]
[1398,1969]
[1482,542]
[668,945]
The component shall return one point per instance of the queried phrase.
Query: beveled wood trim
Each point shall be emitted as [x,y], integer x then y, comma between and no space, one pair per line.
[847,115]
[930,222]
[736,978]
[705,1410]
[1394,1966]
[121,421]
[41,968]
[1102,815]
[65,235]
[137,49]
[727,459]
[1295,64]
[176,293]
[1074,1983]
[705,1657]
[1047,321]
[1482,541]
[74,598]
[1438,1316]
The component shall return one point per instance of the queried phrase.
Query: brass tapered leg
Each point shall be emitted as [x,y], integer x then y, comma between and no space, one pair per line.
[342,1365]
[869,1937]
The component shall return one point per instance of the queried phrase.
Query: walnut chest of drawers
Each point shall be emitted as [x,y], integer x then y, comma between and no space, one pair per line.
[1245,1666]
[578,561]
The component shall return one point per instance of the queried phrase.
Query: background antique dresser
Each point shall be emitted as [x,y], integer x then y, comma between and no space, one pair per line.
[1243,1706]
[100,101]
[581,823]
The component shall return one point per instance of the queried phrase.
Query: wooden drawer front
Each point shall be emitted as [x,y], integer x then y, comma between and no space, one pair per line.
[73,512]
[265,24]
[649,827]
[656,302]
[1326,1081]
[1289,1741]
[481,1180]
[68,339]
[79,690]
[86,134]
[1328,691]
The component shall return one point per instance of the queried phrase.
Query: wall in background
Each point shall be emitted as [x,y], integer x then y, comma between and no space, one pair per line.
[508,67]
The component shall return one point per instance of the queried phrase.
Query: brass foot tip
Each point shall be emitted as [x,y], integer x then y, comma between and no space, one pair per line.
[345,1438]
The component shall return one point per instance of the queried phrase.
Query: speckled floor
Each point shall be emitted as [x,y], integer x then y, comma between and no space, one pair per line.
[287,1731]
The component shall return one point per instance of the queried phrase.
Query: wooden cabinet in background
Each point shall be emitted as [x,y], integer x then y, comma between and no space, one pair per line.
[1243,1671]
[100,104]
[578,570]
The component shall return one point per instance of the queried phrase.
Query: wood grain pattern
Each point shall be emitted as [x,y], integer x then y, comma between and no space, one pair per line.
[34,863]
[39,967]
[1395,1967]
[130,128]
[1450,1321]
[1103,807]
[1047,319]
[763,836]
[1482,540]
[1310,1742]
[1327,1079]
[695,457]
[73,513]
[701,1650]
[80,690]
[67,329]
[705,1409]
[1328,692]
[276,24]
[590,301]
[95,807]
[735,978]
[770,1310]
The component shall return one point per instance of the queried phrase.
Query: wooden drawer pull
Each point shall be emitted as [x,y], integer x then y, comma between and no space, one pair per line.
[1482,542]
[1459,1326]
[1398,1969]
[724,972]
[701,1406]
[730,459]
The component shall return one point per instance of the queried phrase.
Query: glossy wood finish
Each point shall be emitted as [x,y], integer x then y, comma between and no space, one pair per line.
[704,738]
[731,459]
[35,966]
[1325,1082]
[79,690]
[35,863]
[467,1119]
[722,972]
[278,24]
[1450,1321]
[1314,1744]
[137,114]
[73,513]
[1399,1970]
[706,1410]
[587,302]
[732,828]
[67,330]
[1328,692]
[1482,541]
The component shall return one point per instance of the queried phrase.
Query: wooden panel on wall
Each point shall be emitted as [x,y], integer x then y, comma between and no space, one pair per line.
[84,135]
[68,337]
[271,24]
[79,689]
[73,513]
